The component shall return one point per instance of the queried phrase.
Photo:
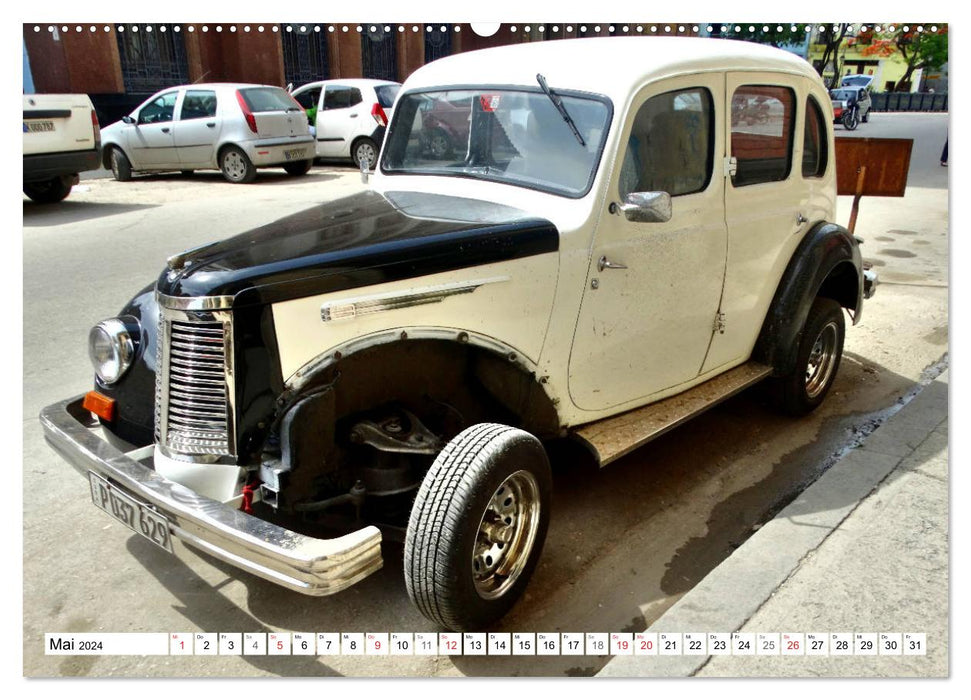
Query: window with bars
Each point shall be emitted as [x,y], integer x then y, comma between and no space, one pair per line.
[379,52]
[438,44]
[152,57]
[304,54]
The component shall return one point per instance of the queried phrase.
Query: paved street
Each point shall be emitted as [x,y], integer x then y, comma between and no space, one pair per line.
[624,544]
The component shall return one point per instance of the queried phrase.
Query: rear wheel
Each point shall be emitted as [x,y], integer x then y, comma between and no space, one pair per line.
[236,165]
[477,526]
[365,150]
[818,360]
[48,191]
[120,165]
[299,168]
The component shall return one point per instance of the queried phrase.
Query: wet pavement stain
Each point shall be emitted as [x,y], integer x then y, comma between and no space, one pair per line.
[921,242]
[895,253]
[938,336]
[903,233]
[876,263]
[885,239]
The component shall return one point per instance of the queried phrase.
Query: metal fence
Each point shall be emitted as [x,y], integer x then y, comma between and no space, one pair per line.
[909,102]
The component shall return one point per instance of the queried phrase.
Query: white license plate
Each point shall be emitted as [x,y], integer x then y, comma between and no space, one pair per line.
[295,154]
[139,518]
[45,125]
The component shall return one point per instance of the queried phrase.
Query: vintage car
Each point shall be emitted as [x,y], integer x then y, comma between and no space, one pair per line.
[608,253]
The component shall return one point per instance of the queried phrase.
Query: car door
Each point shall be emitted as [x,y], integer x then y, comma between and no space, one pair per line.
[653,289]
[768,205]
[197,129]
[151,142]
[337,120]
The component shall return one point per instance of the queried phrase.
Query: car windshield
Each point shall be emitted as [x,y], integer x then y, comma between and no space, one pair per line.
[512,136]
[842,94]
[857,80]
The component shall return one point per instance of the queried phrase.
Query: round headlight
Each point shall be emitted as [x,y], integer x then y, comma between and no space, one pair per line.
[111,347]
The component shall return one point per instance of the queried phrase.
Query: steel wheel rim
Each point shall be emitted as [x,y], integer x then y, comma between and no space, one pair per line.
[822,360]
[438,145]
[506,535]
[234,165]
[365,153]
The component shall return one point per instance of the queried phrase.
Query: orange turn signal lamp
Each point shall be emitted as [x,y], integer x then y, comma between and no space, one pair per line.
[99,404]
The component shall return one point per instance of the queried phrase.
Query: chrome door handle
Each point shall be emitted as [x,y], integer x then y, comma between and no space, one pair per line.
[800,219]
[604,264]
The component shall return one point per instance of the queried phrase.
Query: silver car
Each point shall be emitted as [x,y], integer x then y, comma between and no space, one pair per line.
[232,127]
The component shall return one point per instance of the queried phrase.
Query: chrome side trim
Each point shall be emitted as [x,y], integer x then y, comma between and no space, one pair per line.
[308,565]
[193,303]
[376,303]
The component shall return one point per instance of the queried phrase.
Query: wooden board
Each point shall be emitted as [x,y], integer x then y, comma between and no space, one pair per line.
[612,438]
[886,161]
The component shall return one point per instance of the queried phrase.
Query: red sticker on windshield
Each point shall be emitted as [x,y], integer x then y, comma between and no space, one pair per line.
[489,103]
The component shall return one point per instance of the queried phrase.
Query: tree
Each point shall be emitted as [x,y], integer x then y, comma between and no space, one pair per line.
[924,49]
[773,34]
[831,39]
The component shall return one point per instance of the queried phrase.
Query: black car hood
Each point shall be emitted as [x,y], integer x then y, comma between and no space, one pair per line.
[364,239]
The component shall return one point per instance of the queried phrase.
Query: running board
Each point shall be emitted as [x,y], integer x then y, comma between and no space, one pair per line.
[612,438]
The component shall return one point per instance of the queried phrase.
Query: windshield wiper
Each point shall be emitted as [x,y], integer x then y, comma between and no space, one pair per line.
[558,103]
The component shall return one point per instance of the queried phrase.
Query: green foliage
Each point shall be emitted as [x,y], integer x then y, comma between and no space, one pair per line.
[773,33]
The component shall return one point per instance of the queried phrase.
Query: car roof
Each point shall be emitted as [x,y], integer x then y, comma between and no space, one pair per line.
[370,82]
[614,66]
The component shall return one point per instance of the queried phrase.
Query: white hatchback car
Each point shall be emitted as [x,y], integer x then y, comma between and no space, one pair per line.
[233,127]
[351,116]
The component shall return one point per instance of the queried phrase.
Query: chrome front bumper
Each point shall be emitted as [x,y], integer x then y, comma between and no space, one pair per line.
[304,564]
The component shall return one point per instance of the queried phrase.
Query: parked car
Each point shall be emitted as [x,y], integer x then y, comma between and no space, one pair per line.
[607,255]
[851,105]
[232,127]
[61,139]
[350,116]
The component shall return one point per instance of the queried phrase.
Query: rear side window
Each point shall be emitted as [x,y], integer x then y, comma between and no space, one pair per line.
[386,94]
[309,98]
[671,144]
[198,104]
[763,117]
[341,97]
[814,143]
[267,99]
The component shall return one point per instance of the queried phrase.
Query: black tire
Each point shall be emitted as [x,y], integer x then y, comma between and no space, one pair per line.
[120,165]
[236,166]
[48,191]
[817,362]
[477,527]
[301,167]
[851,120]
[187,173]
[365,148]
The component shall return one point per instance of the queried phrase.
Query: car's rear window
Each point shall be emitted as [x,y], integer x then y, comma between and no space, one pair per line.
[386,94]
[268,99]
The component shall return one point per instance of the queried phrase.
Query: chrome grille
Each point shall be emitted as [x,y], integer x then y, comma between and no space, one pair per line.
[193,409]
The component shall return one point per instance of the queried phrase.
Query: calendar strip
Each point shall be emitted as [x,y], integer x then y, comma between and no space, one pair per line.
[795,644]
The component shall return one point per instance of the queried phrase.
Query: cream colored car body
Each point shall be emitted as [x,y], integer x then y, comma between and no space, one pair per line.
[696,289]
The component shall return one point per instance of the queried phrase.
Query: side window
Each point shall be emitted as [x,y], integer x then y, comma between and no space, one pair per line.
[158,110]
[355,97]
[671,144]
[309,98]
[814,142]
[198,104]
[337,97]
[762,124]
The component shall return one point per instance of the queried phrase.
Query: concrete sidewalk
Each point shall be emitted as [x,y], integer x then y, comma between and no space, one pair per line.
[864,549]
